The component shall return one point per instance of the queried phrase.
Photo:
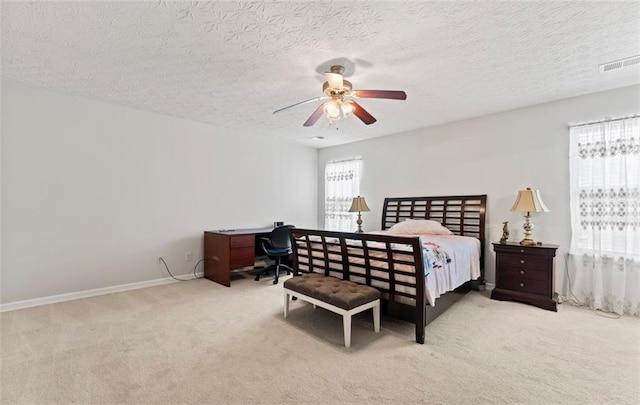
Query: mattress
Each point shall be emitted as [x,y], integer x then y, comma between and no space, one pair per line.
[464,264]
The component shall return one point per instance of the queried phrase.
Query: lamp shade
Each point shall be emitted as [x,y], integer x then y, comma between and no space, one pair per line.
[529,201]
[359,205]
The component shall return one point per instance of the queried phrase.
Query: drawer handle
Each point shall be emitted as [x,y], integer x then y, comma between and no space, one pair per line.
[521,271]
[521,250]
[522,261]
[521,284]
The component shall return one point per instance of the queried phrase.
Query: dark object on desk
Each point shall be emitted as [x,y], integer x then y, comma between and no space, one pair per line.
[525,274]
[276,246]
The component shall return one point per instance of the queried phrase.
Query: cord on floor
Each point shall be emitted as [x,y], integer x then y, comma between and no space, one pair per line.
[195,277]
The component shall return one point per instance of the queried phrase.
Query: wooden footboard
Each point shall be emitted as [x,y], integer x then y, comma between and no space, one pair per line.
[392,264]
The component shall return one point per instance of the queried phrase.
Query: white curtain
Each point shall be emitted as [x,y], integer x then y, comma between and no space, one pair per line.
[604,259]
[341,184]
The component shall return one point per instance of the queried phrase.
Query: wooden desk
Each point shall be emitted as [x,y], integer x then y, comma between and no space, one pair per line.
[226,250]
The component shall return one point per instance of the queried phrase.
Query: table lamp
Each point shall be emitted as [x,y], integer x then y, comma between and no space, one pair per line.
[529,201]
[359,205]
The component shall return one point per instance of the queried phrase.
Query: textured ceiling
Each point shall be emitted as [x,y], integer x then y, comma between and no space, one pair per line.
[231,64]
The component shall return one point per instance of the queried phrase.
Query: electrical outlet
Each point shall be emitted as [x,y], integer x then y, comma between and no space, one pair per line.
[188,256]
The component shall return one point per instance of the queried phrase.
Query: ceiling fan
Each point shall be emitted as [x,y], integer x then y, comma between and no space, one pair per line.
[340,97]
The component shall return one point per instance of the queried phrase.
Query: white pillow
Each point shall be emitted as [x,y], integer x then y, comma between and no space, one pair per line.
[419,227]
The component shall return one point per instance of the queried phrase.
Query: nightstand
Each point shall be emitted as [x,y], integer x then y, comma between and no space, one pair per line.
[525,274]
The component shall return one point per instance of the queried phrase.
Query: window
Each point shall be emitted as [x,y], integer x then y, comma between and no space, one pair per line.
[341,184]
[605,211]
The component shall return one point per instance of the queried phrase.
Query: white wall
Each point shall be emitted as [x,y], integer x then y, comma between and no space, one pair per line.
[496,155]
[94,193]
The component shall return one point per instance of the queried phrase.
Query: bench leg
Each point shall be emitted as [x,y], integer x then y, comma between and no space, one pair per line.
[346,322]
[286,303]
[376,317]
[346,314]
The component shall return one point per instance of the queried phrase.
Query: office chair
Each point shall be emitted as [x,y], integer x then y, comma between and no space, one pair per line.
[276,246]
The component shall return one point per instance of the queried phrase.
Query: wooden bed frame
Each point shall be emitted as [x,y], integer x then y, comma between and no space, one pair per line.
[394,264]
[462,215]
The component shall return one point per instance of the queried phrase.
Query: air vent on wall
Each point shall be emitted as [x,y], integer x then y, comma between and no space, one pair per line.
[634,60]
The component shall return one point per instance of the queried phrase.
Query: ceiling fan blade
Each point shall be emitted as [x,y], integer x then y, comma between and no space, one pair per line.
[302,102]
[314,117]
[363,114]
[391,94]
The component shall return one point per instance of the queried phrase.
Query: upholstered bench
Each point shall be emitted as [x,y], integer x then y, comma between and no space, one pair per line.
[340,296]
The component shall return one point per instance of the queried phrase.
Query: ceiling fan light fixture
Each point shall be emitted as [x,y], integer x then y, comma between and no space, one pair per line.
[332,110]
[334,80]
[347,108]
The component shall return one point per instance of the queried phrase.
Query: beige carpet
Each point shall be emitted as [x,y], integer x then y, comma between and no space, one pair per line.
[197,342]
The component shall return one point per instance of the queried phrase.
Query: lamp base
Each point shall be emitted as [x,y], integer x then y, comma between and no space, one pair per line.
[359,222]
[528,227]
[528,242]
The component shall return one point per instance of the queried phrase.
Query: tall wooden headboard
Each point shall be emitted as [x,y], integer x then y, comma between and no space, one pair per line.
[463,214]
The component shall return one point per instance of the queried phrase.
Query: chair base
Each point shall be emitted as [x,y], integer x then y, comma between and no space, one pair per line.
[277,267]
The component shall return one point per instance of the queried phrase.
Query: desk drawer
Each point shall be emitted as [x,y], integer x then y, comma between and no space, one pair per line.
[237,241]
[241,257]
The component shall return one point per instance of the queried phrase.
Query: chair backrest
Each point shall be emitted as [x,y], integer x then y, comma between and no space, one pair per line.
[279,237]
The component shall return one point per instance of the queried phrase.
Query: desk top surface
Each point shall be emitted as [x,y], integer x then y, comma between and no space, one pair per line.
[245,231]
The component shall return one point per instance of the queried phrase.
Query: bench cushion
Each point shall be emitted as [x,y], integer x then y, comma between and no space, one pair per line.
[340,293]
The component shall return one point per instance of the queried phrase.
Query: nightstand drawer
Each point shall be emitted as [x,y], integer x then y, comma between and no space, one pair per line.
[529,261]
[522,285]
[540,273]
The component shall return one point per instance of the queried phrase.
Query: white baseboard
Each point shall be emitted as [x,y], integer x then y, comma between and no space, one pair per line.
[10,306]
